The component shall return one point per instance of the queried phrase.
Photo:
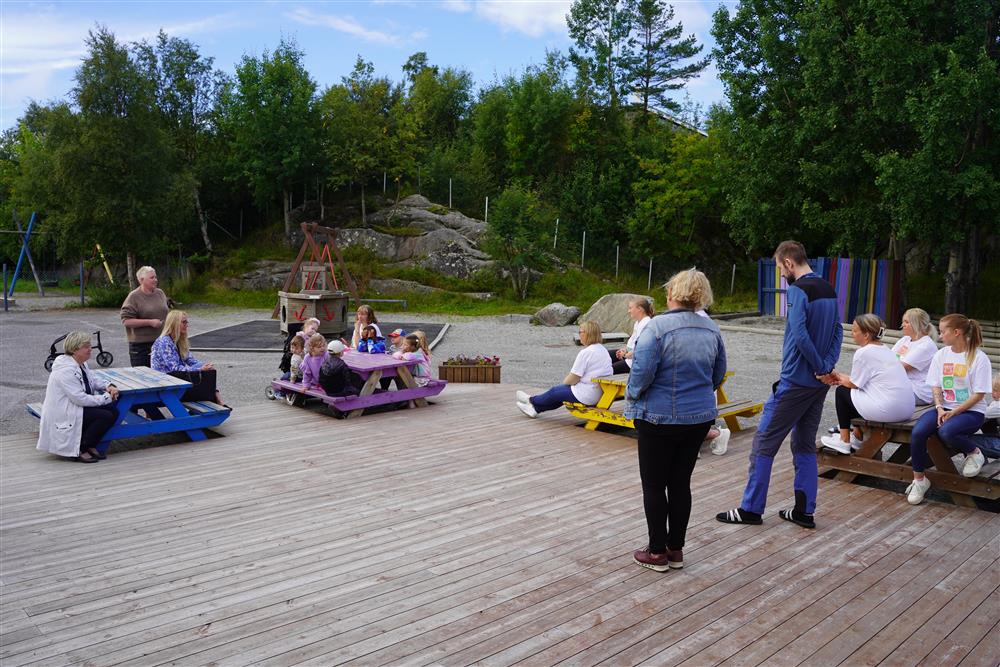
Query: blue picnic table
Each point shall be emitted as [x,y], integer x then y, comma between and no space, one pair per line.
[142,387]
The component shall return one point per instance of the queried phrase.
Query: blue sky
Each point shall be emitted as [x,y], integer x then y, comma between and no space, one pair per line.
[41,43]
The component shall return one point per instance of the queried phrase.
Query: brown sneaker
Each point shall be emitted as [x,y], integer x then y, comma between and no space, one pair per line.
[675,558]
[658,562]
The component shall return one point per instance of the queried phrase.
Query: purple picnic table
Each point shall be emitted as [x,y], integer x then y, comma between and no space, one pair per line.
[371,368]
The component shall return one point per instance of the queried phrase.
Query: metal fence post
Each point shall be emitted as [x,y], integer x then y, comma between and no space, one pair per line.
[649,281]
[616,261]
[5,287]
[82,298]
[583,249]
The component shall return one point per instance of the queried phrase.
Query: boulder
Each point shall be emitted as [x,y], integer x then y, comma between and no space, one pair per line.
[396,285]
[556,315]
[443,250]
[611,312]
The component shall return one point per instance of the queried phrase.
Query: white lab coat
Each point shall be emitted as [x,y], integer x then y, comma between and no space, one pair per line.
[62,411]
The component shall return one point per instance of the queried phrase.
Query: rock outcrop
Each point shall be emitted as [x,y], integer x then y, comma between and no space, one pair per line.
[556,315]
[611,312]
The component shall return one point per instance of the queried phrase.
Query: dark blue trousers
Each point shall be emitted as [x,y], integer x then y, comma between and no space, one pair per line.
[956,433]
[789,409]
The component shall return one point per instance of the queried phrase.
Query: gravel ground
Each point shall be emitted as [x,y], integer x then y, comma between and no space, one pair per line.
[532,356]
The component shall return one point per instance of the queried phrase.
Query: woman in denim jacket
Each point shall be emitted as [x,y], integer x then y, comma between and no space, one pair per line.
[679,362]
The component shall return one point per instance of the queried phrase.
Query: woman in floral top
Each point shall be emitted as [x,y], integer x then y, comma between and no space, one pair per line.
[171,353]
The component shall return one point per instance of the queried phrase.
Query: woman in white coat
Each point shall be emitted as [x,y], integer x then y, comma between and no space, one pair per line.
[77,410]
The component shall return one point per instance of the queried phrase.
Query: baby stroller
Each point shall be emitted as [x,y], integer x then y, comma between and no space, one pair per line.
[103,358]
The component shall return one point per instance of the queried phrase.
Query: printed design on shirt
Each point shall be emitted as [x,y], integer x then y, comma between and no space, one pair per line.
[951,392]
[902,351]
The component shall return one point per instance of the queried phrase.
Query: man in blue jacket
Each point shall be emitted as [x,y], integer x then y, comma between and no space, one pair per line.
[811,350]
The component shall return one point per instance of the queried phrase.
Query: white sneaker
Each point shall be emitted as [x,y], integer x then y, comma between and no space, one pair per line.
[836,444]
[855,443]
[527,408]
[720,444]
[916,490]
[522,396]
[973,463]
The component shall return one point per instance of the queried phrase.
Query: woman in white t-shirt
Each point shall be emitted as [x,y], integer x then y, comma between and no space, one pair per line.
[959,376]
[915,350]
[591,362]
[640,309]
[877,388]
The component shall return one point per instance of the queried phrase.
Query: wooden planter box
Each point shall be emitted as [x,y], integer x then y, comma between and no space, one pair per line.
[469,373]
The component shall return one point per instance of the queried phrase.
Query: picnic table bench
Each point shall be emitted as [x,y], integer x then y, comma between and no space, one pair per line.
[372,368]
[613,389]
[870,460]
[142,387]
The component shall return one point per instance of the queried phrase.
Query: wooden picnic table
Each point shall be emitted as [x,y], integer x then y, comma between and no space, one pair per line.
[870,460]
[142,387]
[372,368]
[613,389]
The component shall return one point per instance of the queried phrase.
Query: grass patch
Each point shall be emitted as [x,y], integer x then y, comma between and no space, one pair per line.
[438,209]
[399,231]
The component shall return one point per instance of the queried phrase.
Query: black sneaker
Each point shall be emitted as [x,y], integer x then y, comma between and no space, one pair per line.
[739,516]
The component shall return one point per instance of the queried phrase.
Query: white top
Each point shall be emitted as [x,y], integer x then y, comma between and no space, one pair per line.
[917,354]
[636,330]
[884,393]
[993,410]
[950,371]
[592,362]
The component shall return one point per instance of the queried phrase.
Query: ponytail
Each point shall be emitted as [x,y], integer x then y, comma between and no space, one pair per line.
[971,332]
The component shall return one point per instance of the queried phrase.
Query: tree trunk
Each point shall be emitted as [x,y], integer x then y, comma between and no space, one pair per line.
[322,207]
[203,219]
[130,268]
[287,206]
[954,292]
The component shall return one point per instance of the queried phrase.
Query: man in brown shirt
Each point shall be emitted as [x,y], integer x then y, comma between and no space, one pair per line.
[143,312]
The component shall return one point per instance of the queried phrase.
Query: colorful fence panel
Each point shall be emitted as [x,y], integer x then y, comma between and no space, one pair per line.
[862,285]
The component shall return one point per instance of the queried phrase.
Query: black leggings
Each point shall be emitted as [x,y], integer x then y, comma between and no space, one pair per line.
[667,454]
[845,407]
[618,366]
[96,422]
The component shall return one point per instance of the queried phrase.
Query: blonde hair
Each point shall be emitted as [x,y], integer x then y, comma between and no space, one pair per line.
[144,271]
[592,331]
[296,341]
[920,322]
[173,327]
[644,303]
[422,337]
[871,324]
[369,313]
[316,341]
[75,340]
[970,331]
[690,288]
[996,382]
[311,320]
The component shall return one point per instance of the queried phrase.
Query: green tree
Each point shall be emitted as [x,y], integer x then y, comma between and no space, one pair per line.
[515,236]
[538,119]
[269,112]
[605,46]
[187,88]
[657,69]
[357,127]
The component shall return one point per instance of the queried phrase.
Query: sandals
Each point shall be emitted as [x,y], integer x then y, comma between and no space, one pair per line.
[92,459]
[804,520]
[739,516]
[96,453]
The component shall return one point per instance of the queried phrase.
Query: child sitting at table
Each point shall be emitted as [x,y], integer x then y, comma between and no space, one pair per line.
[422,337]
[311,364]
[410,351]
[371,342]
[334,375]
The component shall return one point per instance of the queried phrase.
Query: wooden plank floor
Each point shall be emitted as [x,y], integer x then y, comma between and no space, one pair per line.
[464,533]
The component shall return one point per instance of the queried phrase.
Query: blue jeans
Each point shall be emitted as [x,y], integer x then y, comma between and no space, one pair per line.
[789,409]
[553,398]
[956,433]
[989,445]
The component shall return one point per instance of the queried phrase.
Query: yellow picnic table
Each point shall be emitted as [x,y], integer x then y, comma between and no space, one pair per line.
[613,388]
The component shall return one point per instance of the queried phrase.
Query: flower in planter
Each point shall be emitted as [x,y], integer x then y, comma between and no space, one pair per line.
[479,360]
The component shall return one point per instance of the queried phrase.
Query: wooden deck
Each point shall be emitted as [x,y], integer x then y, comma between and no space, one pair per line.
[465,533]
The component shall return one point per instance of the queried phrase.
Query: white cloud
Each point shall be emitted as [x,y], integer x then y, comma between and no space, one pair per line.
[350,26]
[534,18]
